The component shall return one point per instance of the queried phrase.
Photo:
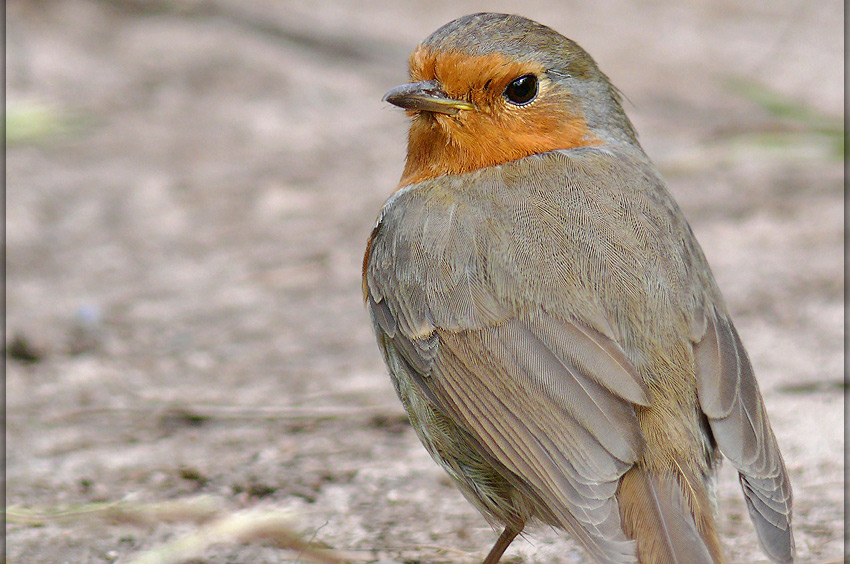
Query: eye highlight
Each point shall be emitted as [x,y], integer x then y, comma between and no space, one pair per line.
[522,90]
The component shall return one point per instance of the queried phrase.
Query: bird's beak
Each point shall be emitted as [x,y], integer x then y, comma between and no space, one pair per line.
[425,97]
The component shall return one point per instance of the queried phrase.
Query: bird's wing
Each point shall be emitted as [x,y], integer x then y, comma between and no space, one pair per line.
[525,392]
[548,398]
[730,398]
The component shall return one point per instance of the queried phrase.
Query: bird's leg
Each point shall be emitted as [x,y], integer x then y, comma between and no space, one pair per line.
[505,539]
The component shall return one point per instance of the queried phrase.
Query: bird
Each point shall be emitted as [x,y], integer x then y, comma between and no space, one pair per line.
[547,316]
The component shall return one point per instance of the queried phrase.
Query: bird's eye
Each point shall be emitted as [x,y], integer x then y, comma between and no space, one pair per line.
[522,90]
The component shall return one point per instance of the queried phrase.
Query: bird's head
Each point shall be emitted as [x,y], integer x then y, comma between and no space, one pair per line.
[491,88]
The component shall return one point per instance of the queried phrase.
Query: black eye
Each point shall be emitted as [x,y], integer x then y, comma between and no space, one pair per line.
[522,90]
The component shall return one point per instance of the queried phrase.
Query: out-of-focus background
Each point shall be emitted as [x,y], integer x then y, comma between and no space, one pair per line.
[190,185]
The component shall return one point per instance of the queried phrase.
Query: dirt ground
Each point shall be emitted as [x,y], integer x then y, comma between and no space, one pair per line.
[190,185]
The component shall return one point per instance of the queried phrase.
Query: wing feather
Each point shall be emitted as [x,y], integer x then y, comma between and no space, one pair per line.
[729,396]
[532,432]
[537,414]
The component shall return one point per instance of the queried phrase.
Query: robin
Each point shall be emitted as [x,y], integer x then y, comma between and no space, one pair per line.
[547,317]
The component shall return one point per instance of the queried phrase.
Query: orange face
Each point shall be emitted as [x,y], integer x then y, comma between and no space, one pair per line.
[496,130]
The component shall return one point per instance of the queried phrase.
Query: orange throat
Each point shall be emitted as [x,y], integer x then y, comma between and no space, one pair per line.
[436,149]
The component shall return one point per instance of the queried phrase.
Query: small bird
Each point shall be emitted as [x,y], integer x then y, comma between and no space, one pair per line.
[547,316]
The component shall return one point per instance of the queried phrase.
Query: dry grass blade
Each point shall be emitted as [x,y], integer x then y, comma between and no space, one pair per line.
[196,510]
[263,526]
[255,526]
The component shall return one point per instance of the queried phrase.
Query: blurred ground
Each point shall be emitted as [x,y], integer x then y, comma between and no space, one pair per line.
[190,185]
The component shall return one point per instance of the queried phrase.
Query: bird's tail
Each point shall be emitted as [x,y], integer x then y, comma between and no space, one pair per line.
[670,517]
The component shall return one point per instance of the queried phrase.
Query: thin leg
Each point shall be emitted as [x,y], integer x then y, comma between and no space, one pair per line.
[505,540]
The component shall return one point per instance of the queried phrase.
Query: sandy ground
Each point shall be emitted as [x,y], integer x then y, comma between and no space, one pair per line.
[190,185]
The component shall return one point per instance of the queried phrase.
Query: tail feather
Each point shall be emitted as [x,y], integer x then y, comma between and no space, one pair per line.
[660,516]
